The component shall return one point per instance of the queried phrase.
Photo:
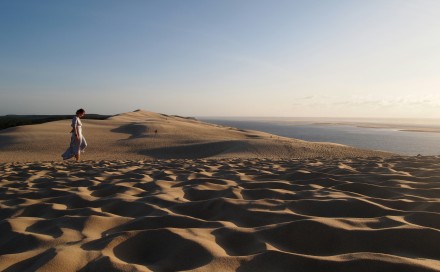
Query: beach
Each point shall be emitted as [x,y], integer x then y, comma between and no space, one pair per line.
[387,134]
[195,196]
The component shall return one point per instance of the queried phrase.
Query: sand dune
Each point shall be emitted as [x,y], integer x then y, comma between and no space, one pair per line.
[202,197]
[131,136]
[322,214]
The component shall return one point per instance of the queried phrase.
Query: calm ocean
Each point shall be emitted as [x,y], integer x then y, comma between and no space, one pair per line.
[401,142]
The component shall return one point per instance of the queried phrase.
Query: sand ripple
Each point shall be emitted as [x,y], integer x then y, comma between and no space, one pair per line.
[366,214]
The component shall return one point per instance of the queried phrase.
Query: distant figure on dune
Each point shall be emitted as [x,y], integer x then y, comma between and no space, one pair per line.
[77,141]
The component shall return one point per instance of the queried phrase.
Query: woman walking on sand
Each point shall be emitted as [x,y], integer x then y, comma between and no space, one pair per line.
[77,141]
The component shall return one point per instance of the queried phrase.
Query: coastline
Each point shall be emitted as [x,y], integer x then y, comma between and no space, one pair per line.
[408,128]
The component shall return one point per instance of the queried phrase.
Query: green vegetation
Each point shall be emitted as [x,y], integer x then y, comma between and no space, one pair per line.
[21,120]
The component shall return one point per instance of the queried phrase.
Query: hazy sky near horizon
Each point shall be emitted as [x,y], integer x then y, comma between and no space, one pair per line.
[340,58]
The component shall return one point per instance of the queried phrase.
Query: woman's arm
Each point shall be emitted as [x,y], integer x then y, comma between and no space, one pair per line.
[76,133]
[75,127]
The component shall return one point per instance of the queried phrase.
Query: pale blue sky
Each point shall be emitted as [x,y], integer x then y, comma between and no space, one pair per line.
[340,58]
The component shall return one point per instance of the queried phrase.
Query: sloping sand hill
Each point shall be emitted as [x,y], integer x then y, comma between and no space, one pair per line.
[221,215]
[132,136]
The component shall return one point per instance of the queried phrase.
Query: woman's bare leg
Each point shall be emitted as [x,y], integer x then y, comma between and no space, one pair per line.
[77,157]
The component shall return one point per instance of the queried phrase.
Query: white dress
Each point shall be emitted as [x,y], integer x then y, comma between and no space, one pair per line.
[76,146]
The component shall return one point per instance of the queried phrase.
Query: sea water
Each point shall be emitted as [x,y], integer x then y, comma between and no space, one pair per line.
[385,139]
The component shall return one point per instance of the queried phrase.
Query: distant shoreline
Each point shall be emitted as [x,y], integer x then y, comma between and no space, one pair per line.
[386,126]
[398,136]
[408,125]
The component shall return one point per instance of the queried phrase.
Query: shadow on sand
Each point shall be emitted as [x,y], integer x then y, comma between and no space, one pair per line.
[196,151]
[134,130]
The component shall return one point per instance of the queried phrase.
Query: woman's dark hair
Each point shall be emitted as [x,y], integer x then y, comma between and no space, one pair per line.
[80,111]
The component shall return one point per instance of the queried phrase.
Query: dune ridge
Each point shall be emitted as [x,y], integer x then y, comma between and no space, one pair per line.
[132,136]
[318,214]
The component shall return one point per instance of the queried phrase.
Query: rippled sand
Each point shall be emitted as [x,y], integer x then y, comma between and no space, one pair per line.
[370,214]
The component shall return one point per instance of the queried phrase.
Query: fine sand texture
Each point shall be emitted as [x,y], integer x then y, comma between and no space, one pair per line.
[132,136]
[318,214]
